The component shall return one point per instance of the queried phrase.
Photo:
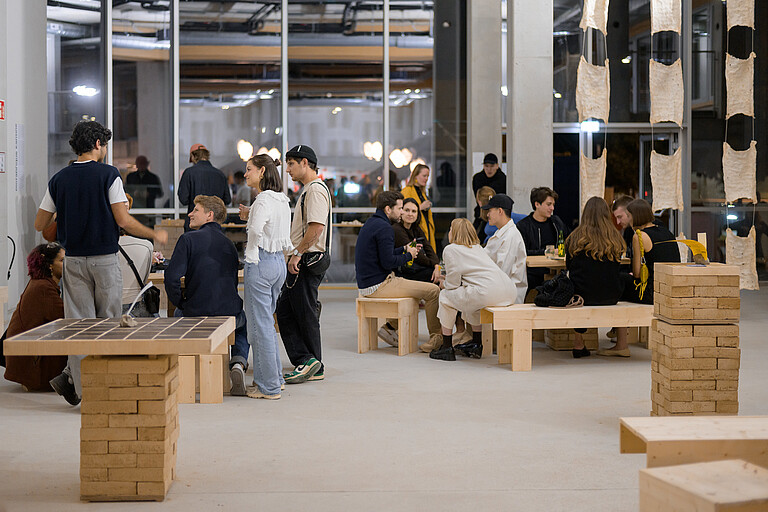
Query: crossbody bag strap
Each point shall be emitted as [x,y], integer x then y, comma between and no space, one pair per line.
[133,267]
[304,216]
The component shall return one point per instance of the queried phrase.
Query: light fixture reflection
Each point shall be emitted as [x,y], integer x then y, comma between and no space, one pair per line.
[373,150]
[244,149]
[84,90]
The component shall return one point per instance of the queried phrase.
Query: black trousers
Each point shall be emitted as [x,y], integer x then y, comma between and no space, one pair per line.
[298,316]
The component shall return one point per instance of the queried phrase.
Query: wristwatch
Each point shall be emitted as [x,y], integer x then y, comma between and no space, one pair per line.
[296,253]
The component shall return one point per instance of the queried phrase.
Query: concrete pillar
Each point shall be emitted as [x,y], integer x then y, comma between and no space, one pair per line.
[483,85]
[529,103]
[23,133]
[153,121]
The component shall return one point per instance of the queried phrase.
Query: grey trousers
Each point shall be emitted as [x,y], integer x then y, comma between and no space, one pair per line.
[92,287]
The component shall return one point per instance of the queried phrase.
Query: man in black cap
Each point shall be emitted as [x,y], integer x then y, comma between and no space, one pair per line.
[490,176]
[201,179]
[297,312]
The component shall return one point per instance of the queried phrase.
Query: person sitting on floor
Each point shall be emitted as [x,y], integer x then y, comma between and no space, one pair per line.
[540,229]
[593,257]
[207,260]
[375,259]
[40,303]
[472,282]
[426,266]
[651,241]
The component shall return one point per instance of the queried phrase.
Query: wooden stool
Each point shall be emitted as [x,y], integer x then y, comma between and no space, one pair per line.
[211,377]
[369,310]
[733,485]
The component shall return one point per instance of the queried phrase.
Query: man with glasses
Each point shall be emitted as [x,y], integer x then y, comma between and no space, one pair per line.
[88,198]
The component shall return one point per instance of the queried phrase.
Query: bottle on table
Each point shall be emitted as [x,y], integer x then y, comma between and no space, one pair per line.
[560,245]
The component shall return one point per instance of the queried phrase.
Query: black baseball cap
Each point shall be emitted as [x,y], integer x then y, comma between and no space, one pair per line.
[499,201]
[302,151]
[490,158]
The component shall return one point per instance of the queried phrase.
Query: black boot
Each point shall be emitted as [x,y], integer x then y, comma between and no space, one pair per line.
[445,352]
[474,348]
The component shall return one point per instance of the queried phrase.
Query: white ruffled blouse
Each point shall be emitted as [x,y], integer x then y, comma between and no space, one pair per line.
[269,225]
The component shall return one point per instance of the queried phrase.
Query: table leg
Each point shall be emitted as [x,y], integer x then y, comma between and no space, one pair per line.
[129,427]
[521,353]
[211,385]
[187,393]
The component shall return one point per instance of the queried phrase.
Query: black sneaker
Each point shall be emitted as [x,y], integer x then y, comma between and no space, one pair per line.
[580,352]
[443,353]
[62,386]
[470,349]
[237,376]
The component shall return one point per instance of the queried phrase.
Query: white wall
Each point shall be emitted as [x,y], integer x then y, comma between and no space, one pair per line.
[23,87]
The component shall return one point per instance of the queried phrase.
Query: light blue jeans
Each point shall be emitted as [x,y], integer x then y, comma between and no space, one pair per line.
[262,287]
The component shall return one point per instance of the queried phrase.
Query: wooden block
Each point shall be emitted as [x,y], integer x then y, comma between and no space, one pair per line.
[689,269]
[718,352]
[156,460]
[153,488]
[139,474]
[140,392]
[728,364]
[108,380]
[94,474]
[157,379]
[94,420]
[677,374]
[672,330]
[727,407]
[98,490]
[95,393]
[670,280]
[696,363]
[673,291]
[140,420]
[729,303]
[689,407]
[727,385]
[730,281]
[716,291]
[728,341]
[715,374]
[93,365]
[109,460]
[711,315]
[108,407]
[186,391]
[158,406]
[732,485]
[690,342]
[93,447]
[706,395]
[682,395]
[716,330]
[108,434]
[211,385]
[135,447]
[138,364]
[692,384]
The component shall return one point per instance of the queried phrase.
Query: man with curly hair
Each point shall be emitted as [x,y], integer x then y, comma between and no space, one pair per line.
[88,199]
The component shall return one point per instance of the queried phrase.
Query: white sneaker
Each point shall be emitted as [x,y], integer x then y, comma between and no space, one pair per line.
[237,376]
[388,334]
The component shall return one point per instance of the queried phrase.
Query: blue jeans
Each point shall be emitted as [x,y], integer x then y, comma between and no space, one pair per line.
[262,287]
[239,351]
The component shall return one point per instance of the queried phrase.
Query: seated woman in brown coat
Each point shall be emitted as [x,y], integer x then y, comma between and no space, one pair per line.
[426,266]
[39,304]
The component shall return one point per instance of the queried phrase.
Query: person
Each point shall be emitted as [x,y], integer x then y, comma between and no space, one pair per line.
[89,201]
[483,229]
[143,184]
[269,236]
[426,266]
[416,188]
[472,282]
[376,256]
[243,194]
[39,304]
[207,260]
[506,247]
[139,250]
[593,259]
[624,220]
[490,176]
[652,242]
[201,178]
[540,229]
[298,310]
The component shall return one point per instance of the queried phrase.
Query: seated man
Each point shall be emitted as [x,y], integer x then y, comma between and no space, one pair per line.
[375,260]
[207,260]
[624,220]
[540,229]
[506,247]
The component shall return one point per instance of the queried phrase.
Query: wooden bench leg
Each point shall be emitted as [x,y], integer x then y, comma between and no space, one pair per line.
[487,339]
[403,335]
[522,350]
[414,336]
[504,346]
[367,334]
[211,390]
[186,379]
[373,333]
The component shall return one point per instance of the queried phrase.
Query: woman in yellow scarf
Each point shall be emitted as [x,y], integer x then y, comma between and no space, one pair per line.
[417,189]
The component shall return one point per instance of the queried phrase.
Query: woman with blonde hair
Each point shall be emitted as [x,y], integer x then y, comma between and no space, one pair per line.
[416,188]
[482,227]
[472,282]
[593,257]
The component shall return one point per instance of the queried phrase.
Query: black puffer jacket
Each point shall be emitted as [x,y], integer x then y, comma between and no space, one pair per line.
[529,228]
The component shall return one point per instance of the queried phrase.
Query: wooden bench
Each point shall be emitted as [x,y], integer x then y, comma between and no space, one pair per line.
[672,440]
[513,325]
[733,485]
[370,310]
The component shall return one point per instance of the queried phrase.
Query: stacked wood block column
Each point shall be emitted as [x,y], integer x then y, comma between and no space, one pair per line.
[129,427]
[562,339]
[695,340]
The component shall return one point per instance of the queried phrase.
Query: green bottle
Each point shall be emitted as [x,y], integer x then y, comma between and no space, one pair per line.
[410,262]
[560,245]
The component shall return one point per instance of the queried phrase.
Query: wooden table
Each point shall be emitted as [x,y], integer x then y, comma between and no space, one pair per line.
[3,305]
[672,440]
[129,412]
[555,264]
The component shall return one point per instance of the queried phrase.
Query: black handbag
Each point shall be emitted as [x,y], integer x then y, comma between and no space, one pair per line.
[557,292]
[318,262]
[151,297]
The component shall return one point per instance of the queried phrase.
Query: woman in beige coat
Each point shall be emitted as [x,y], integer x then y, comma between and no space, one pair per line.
[472,282]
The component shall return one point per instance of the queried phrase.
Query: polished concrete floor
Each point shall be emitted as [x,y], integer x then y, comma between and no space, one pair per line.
[386,433]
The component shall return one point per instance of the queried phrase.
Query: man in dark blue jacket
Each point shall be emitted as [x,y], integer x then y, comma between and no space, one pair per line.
[207,260]
[202,178]
[375,260]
